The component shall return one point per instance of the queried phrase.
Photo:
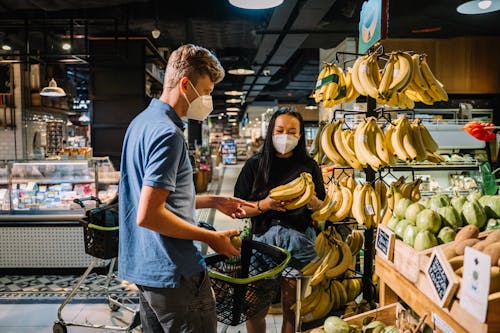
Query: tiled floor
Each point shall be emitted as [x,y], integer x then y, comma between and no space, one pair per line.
[36,317]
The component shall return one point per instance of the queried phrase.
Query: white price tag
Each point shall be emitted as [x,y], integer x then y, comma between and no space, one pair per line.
[441,324]
[475,283]
[363,68]
[369,210]
[318,83]
[361,138]
[395,72]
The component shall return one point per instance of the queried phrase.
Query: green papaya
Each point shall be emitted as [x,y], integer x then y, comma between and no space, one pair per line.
[493,224]
[491,205]
[474,214]
[450,217]
[458,202]
[474,195]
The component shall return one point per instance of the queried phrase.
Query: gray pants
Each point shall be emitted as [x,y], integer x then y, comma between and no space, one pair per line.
[187,309]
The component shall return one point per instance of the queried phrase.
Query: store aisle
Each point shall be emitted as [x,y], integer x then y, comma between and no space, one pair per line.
[38,315]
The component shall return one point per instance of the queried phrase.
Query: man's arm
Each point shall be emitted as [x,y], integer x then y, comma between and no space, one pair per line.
[153,215]
[231,206]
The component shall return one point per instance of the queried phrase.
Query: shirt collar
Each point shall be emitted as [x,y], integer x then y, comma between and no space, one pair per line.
[169,111]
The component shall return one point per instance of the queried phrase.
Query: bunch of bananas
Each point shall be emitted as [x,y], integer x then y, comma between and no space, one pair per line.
[366,205]
[398,190]
[405,79]
[327,292]
[411,141]
[334,86]
[355,241]
[337,204]
[297,192]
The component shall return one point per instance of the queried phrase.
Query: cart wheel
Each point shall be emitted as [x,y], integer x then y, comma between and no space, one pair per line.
[113,307]
[59,328]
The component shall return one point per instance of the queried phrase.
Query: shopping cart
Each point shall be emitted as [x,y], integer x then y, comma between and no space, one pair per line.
[100,230]
[246,284]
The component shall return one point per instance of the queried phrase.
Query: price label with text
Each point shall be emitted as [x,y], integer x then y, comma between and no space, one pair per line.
[475,283]
[444,283]
[385,242]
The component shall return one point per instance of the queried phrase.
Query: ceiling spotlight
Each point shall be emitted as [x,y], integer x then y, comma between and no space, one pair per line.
[53,90]
[233,100]
[66,46]
[256,4]
[233,93]
[233,109]
[241,71]
[155,33]
[6,47]
[478,7]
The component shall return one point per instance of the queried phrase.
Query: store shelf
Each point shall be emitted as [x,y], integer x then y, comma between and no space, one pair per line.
[53,180]
[435,167]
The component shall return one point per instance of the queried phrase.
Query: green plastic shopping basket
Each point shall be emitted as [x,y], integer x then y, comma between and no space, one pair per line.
[246,284]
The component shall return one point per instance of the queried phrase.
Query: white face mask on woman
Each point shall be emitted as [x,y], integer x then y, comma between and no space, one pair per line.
[200,108]
[284,143]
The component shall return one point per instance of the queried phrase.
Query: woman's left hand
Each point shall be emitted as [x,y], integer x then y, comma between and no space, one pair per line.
[233,207]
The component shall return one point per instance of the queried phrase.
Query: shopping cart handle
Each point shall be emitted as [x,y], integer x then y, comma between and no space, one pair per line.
[206,226]
[91,198]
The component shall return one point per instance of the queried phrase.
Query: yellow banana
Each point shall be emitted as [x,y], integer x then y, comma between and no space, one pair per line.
[418,79]
[366,76]
[343,297]
[343,148]
[365,145]
[397,141]
[403,74]
[358,205]
[344,263]
[434,84]
[351,92]
[355,76]
[320,89]
[382,151]
[417,138]
[386,80]
[305,197]
[429,143]
[328,145]
[330,261]
[289,191]
[321,309]
[343,211]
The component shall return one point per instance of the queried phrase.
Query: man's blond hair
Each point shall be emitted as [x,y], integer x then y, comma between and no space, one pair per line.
[194,62]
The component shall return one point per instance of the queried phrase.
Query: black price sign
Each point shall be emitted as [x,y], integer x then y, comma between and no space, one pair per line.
[442,278]
[385,242]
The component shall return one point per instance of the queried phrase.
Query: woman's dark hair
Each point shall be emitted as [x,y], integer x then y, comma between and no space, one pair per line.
[268,153]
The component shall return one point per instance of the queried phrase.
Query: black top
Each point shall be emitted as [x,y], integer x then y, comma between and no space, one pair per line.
[283,170]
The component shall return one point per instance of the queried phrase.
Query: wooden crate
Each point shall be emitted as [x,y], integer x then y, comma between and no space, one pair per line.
[386,314]
[418,296]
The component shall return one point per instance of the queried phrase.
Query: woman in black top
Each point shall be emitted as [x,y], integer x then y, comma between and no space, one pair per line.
[282,158]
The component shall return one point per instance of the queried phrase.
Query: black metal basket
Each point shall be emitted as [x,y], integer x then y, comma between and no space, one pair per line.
[100,230]
[246,284]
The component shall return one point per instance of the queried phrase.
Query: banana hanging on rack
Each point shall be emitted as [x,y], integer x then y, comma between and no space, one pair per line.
[358,86]
[328,145]
[343,148]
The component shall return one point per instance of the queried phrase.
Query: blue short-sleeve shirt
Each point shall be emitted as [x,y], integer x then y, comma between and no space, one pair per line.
[155,154]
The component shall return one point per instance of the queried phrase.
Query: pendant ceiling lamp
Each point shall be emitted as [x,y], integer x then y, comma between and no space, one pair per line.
[479,7]
[256,4]
[53,90]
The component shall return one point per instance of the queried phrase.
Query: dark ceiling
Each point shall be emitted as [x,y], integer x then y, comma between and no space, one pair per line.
[282,44]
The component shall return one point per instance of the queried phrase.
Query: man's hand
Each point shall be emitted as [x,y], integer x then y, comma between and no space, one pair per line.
[220,242]
[233,207]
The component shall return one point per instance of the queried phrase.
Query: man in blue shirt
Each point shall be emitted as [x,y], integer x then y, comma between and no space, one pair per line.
[158,202]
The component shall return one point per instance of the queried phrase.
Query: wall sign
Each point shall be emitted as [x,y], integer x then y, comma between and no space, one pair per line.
[385,242]
[475,283]
[372,23]
[442,278]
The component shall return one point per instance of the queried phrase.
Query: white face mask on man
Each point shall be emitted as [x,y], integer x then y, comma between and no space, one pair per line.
[284,143]
[200,107]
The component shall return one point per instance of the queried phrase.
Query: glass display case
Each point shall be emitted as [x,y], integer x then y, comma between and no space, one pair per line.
[45,190]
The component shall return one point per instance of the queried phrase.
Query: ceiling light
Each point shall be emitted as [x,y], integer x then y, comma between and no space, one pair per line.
[233,109]
[241,71]
[66,46]
[155,33]
[233,100]
[311,107]
[233,93]
[232,113]
[84,118]
[6,47]
[256,4]
[478,7]
[53,90]
[232,120]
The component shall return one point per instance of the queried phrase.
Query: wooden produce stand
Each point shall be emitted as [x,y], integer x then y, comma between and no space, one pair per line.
[394,285]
